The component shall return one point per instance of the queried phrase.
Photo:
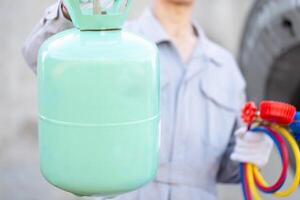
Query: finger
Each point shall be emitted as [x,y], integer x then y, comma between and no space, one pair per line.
[248,151]
[256,160]
[250,144]
[240,132]
[253,137]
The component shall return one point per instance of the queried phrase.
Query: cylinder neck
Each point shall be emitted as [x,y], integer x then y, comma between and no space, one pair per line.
[90,15]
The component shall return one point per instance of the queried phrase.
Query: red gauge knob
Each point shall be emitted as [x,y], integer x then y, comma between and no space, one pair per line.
[277,112]
[249,112]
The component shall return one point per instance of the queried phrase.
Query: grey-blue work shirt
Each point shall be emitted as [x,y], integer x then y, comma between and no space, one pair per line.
[200,104]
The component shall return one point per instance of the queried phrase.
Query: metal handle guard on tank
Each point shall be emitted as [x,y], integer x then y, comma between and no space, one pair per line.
[112,19]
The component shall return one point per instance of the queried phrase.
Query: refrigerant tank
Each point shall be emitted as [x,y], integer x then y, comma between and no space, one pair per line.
[98,96]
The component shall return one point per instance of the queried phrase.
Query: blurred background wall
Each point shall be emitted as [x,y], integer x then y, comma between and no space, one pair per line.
[20,178]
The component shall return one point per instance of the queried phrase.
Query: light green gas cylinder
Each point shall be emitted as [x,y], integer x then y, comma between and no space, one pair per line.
[98,94]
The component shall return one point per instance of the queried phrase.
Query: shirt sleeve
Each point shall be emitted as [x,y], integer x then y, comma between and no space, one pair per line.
[52,22]
[229,170]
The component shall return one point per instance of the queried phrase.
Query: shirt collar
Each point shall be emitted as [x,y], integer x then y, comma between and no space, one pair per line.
[207,47]
[152,30]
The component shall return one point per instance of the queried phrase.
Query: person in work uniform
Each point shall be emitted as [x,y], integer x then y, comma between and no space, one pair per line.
[202,92]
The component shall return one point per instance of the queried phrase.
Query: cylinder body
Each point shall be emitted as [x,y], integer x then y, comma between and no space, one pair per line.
[98,111]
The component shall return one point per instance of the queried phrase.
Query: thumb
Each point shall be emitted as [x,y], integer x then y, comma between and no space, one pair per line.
[253,136]
[240,132]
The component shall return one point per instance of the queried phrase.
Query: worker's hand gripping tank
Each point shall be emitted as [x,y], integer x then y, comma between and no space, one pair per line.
[98,104]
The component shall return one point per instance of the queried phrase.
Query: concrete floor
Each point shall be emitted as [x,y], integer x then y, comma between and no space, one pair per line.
[20,178]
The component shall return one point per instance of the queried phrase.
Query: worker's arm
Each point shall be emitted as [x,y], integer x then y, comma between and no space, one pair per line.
[229,169]
[53,21]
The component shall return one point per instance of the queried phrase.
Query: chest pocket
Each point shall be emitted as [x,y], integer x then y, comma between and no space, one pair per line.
[223,95]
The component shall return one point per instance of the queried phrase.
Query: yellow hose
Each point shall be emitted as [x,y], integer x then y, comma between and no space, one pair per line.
[254,192]
[255,170]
